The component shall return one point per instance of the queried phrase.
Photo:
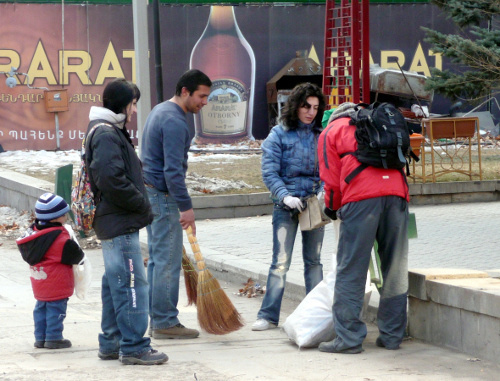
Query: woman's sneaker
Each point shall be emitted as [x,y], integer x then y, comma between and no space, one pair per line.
[151,357]
[263,325]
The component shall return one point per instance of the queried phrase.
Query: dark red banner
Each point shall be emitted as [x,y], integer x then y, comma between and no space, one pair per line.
[98,46]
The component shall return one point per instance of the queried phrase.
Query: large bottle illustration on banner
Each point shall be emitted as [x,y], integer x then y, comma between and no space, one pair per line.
[228,59]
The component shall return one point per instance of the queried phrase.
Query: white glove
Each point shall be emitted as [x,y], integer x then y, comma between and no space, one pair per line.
[293,203]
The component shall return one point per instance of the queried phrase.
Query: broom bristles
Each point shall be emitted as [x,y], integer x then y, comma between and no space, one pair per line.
[216,313]
[190,278]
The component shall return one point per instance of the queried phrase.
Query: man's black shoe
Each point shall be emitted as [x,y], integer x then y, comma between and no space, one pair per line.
[380,344]
[58,344]
[108,356]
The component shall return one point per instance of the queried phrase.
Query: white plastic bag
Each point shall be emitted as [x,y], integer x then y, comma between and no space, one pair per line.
[312,321]
[83,277]
[82,272]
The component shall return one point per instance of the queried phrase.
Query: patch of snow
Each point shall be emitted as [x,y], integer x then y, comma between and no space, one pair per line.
[215,158]
[199,185]
[39,161]
[242,145]
[45,162]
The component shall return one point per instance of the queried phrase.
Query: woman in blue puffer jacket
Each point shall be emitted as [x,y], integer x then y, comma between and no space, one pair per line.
[290,171]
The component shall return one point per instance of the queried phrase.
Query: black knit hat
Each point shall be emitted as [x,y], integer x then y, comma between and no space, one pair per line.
[49,207]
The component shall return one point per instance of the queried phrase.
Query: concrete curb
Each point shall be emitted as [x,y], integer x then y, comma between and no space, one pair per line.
[455,308]
[21,192]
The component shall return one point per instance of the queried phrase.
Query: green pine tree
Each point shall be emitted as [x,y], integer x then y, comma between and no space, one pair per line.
[475,52]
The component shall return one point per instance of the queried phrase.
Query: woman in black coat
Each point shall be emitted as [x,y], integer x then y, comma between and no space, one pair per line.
[122,209]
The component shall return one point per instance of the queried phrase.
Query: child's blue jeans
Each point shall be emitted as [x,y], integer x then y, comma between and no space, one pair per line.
[49,318]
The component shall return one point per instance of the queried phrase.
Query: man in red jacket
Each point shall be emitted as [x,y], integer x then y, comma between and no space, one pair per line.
[50,252]
[372,206]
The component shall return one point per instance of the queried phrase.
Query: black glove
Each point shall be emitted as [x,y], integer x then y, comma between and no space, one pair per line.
[330,213]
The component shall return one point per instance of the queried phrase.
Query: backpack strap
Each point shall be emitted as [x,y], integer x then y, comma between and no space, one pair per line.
[401,157]
[414,156]
[404,178]
[355,172]
[347,153]
[383,157]
[90,135]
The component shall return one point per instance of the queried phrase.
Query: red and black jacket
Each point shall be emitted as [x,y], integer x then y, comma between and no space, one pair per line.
[335,165]
[50,252]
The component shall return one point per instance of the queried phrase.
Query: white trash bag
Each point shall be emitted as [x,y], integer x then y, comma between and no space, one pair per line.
[312,321]
[82,272]
[83,277]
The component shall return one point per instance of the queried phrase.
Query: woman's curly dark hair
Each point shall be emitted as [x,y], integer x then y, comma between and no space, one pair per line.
[297,99]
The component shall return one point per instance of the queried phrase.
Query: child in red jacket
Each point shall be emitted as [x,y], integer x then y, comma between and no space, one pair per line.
[50,252]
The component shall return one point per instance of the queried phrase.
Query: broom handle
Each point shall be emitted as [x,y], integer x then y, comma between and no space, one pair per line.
[200,262]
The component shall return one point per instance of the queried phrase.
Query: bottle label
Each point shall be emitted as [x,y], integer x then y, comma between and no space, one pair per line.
[226,111]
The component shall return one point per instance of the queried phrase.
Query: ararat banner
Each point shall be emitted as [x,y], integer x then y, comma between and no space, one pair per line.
[94,44]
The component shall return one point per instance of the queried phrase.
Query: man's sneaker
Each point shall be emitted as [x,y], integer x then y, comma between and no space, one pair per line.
[108,356]
[334,347]
[176,332]
[57,344]
[151,357]
[39,344]
[263,325]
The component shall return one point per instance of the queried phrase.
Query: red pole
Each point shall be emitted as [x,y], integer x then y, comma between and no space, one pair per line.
[365,50]
[355,50]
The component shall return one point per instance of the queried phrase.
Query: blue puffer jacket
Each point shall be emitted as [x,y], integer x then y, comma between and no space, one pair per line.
[288,162]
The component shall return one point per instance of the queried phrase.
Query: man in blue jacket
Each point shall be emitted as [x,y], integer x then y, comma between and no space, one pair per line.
[164,153]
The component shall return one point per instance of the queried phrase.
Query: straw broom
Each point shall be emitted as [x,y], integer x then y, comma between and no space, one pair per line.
[190,278]
[216,313]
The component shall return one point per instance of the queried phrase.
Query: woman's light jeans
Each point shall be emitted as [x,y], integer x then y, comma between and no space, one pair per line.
[285,226]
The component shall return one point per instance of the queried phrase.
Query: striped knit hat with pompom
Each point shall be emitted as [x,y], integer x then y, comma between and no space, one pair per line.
[49,207]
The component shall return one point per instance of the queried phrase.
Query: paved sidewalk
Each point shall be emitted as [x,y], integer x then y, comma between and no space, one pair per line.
[463,236]
[240,356]
[457,235]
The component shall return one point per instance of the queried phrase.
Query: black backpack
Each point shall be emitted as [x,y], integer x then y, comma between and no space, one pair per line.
[383,138]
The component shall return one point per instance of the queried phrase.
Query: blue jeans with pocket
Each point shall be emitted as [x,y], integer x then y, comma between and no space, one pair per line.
[124,297]
[49,318]
[285,227]
[165,260]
